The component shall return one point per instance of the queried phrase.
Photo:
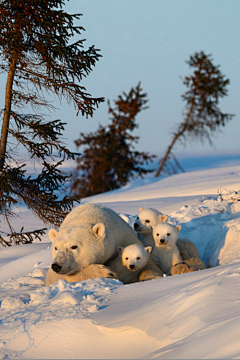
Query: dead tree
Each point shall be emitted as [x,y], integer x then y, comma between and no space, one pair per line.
[203,116]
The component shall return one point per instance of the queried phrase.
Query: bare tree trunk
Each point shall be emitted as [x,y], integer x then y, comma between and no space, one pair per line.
[7,111]
[176,137]
[164,159]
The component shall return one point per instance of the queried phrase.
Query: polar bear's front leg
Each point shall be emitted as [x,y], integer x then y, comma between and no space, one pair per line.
[178,265]
[95,271]
[150,271]
[181,268]
[89,272]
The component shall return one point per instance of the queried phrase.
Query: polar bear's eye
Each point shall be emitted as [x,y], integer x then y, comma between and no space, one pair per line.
[126,258]
[147,221]
[74,247]
[55,248]
[157,234]
[138,258]
[168,234]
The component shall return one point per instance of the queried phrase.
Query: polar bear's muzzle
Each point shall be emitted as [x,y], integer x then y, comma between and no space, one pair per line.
[138,227]
[132,267]
[56,267]
[64,264]
[163,242]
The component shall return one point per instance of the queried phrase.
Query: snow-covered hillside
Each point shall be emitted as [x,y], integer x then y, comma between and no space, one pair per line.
[194,315]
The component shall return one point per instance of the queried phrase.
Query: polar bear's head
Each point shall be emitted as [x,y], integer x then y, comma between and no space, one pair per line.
[165,234]
[77,247]
[134,256]
[148,218]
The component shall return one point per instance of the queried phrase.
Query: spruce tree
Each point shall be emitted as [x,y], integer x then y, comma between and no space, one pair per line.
[41,54]
[202,115]
[109,159]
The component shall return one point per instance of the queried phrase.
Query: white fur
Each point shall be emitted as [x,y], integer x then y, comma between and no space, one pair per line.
[166,251]
[147,218]
[87,238]
[130,262]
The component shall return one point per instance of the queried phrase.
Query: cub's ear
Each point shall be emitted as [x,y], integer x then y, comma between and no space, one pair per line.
[99,230]
[120,249]
[140,209]
[179,227]
[148,249]
[52,234]
[164,218]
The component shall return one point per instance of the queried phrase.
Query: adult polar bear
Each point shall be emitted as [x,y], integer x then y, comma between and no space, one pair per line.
[87,238]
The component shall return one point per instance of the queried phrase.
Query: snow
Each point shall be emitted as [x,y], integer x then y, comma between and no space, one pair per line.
[194,315]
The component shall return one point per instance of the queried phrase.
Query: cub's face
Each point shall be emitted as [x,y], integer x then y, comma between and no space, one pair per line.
[147,218]
[165,234]
[134,257]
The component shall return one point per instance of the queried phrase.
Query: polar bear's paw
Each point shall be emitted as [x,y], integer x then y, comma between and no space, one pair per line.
[181,268]
[106,272]
[149,274]
[96,271]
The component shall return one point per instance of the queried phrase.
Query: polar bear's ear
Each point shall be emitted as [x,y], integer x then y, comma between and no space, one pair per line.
[140,209]
[179,227]
[120,249]
[52,234]
[164,218]
[148,249]
[99,230]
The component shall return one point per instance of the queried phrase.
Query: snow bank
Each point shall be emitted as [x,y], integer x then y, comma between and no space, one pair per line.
[196,183]
[191,316]
[34,316]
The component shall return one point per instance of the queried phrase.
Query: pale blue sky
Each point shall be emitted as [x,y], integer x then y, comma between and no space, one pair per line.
[149,41]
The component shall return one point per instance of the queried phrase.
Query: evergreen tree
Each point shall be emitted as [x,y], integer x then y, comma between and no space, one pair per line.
[202,114]
[109,160]
[40,55]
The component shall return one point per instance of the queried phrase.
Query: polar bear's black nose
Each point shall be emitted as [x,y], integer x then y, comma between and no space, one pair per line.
[132,266]
[136,226]
[162,241]
[56,267]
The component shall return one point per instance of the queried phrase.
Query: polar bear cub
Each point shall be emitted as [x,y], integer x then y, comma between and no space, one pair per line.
[130,262]
[166,251]
[143,225]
